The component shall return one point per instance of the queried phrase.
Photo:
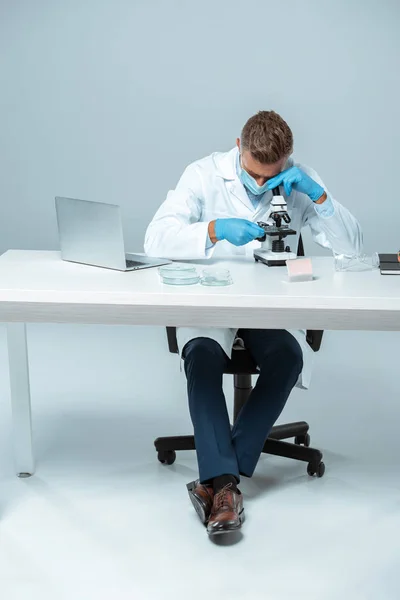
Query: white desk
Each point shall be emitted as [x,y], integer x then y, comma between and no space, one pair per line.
[39,287]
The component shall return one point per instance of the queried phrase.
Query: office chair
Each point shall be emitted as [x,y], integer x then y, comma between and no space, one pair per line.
[242,367]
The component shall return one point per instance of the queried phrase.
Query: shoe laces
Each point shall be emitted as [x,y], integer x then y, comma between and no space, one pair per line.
[221,497]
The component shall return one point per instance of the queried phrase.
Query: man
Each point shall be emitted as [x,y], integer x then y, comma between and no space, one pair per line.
[213,212]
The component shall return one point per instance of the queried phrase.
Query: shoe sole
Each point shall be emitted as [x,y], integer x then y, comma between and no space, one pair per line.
[196,504]
[227,531]
[199,509]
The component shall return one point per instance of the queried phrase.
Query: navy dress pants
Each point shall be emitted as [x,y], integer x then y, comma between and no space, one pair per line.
[220,449]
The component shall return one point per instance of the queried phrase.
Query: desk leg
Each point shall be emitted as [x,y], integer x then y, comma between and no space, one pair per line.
[20,399]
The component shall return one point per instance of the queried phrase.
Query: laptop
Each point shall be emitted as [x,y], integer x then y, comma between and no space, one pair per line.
[91,233]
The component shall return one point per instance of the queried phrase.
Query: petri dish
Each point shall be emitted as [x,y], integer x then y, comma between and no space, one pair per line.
[216,277]
[356,262]
[179,274]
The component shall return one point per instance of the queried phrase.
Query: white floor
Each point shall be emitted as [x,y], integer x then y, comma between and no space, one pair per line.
[103,519]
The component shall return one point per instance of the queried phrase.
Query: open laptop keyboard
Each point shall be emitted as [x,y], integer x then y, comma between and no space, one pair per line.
[133,263]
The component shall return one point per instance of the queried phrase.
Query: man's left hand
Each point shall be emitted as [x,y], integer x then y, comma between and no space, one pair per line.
[298,180]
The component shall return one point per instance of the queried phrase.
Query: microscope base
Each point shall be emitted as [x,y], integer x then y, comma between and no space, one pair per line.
[273,259]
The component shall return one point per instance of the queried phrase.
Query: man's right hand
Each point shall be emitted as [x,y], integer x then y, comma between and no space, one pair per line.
[236,231]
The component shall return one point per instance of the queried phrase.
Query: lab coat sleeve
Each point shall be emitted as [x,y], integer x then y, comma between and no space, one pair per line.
[176,231]
[332,226]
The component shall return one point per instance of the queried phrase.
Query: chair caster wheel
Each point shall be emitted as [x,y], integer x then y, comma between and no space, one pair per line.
[318,470]
[302,440]
[167,457]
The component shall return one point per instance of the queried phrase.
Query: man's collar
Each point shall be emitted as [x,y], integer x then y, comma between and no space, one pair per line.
[226,164]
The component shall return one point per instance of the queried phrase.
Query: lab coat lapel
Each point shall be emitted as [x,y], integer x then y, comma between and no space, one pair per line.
[237,190]
[226,167]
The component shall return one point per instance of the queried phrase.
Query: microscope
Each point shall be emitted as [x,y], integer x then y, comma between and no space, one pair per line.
[273,251]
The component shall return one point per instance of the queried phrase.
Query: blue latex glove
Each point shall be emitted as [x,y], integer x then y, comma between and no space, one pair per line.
[296,178]
[237,231]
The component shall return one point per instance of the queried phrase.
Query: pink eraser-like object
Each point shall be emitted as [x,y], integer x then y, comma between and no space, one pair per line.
[300,269]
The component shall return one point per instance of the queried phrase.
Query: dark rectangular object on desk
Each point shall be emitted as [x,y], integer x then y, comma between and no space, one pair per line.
[389,264]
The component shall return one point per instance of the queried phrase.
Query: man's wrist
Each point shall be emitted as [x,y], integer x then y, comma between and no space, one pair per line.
[211,232]
[321,199]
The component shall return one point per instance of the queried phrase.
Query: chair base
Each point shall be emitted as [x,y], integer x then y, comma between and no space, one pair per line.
[299,450]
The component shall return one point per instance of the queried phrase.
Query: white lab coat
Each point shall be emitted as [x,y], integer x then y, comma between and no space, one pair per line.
[210,189]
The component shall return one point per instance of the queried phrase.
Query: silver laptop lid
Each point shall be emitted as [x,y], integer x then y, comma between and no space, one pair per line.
[90,233]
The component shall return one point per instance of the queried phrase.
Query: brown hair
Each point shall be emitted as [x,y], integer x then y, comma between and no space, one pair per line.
[267,137]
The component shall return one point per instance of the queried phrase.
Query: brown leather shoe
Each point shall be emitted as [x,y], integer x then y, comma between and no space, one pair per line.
[227,512]
[202,497]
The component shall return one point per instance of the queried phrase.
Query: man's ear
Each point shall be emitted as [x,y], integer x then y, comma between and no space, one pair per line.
[238,143]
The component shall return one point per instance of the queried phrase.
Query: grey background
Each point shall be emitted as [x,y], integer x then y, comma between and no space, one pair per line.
[110,100]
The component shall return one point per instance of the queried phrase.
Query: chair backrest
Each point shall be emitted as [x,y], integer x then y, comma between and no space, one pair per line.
[313,336]
[172,341]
